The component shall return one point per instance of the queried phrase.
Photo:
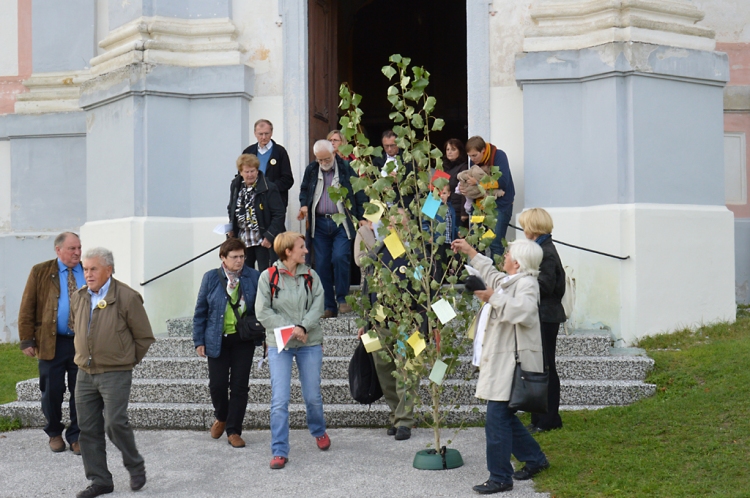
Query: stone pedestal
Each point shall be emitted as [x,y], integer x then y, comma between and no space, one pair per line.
[624,146]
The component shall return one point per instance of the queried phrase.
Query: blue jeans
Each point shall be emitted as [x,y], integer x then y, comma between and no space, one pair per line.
[309,362]
[506,434]
[333,253]
[501,227]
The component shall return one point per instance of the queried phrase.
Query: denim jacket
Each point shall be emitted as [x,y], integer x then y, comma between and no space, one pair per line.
[208,320]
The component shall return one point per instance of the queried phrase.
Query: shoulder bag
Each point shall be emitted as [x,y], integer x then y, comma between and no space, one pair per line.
[529,390]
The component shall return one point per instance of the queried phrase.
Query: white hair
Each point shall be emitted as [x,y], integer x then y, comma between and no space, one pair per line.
[104,255]
[527,253]
[322,145]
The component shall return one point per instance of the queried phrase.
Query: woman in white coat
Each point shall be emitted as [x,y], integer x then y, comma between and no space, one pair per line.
[514,298]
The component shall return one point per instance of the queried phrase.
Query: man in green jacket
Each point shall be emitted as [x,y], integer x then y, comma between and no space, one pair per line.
[112,336]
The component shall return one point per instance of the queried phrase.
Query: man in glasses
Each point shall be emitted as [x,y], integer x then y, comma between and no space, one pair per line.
[331,241]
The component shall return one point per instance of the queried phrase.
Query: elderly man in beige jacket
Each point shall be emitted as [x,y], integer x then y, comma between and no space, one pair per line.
[514,316]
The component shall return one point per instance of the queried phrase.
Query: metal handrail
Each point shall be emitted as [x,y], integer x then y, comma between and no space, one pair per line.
[180,266]
[622,258]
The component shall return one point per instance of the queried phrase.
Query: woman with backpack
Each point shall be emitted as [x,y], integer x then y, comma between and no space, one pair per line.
[215,335]
[537,226]
[291,296]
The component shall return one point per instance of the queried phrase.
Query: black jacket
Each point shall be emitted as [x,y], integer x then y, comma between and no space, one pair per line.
[269,209]
[457,200]
[551,285]
[280,173]
[310,181]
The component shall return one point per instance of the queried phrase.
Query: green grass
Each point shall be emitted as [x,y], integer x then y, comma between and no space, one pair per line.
[691,439]
[14,367]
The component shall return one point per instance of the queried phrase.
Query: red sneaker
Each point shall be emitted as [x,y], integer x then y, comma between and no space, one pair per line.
[324,442]
[278,462]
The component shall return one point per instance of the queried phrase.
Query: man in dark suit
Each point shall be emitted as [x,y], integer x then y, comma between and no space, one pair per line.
[46,333]
[274,160]
[391,153]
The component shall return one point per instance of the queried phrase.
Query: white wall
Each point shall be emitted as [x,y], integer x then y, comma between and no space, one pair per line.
[5,197]
[729,18]
[9,37]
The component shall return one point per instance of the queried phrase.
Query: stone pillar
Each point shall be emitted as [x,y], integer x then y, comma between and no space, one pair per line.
[623,134]
[167,116]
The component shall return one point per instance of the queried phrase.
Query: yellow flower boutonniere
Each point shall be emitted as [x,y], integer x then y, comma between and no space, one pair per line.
[261,206]
[273,162]
[101,304]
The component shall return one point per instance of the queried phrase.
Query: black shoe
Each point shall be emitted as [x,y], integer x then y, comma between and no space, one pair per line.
[529,472]
[391,431]
[403,433]
[491,487]
[95,490]
[531,428]
[137,481]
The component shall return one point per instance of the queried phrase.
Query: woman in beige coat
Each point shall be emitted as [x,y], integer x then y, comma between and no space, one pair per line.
[514,298]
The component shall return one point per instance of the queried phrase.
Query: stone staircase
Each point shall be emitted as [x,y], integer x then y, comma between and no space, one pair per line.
[170,386]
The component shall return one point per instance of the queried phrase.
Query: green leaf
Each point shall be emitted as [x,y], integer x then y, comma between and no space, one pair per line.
[429,104]
[397,117]
[417,121]
[356,99]
[405,81]
[388,71]
[438,124]
[392,90]
[395,58]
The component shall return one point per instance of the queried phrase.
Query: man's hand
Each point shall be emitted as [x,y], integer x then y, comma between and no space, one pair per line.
[265,243]
[360,332]
[472,181]
[201,350]
[30,352]
[499,193]
[366,223]
[302,213]
[484,295]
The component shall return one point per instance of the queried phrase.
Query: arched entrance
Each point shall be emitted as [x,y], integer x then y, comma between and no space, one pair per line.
[351,40]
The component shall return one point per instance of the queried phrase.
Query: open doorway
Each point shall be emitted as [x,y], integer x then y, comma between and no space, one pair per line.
[350,41]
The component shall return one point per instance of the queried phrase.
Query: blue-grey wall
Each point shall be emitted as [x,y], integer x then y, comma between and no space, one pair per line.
[622,127]
[122,12]
[168,139]
[63,34]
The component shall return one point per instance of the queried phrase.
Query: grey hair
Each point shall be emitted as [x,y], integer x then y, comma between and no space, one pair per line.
[527,253]
[105,255]
[60,239]
[322,145]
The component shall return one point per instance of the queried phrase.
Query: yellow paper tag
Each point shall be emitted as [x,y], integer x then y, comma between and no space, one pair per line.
[375,217]
[394,245]
[489,234]
[417,343]
[372,344]
[477,219]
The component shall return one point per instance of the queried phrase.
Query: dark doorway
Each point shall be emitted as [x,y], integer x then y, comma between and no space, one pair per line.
[353,39]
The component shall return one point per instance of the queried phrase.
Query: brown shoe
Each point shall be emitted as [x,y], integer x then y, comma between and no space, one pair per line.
[236,441]
[345,308]
[56,444]
[330,314]
[217,430]
[75,448]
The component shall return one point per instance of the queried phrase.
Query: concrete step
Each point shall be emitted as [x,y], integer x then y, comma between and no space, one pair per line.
[584,343]
[341,325]
[603,367]
[182,347]
[341,340]
[334,391]
[199,416]
[604,392]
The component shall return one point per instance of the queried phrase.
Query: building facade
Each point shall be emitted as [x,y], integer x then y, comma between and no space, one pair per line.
[627,120]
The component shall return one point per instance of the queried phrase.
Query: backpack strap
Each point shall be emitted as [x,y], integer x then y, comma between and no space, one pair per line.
[273,281]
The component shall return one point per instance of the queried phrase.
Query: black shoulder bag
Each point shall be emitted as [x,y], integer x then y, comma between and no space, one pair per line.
[529,390]
[248,327]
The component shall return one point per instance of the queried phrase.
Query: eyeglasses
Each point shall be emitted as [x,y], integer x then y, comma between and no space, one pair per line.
[241,256]
[325,162]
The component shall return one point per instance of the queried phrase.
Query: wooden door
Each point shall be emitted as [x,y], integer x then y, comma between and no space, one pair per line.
[322,80]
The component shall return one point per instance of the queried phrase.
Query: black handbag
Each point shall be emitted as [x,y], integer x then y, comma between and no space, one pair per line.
[248,327]
[529,390]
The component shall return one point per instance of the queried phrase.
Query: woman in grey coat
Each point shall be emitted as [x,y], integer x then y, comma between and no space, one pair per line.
[514,318]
